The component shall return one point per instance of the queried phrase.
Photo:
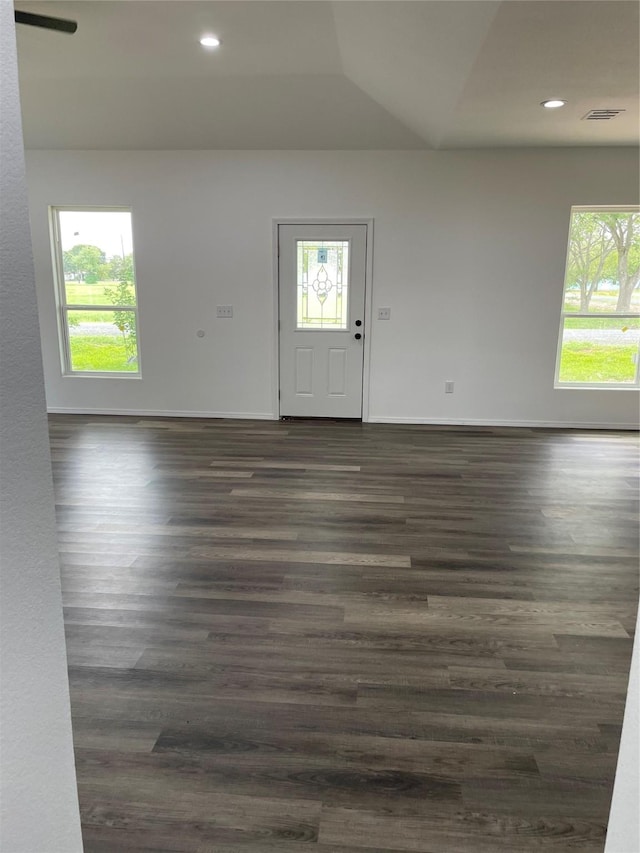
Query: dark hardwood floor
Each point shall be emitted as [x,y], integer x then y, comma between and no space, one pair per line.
[345,638]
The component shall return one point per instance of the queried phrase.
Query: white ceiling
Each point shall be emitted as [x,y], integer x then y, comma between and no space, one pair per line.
[301,74]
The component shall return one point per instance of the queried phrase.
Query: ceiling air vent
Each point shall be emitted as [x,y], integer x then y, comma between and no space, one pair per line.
[602,115]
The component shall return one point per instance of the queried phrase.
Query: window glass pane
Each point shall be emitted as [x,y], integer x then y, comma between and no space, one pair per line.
[103,341]
[100,293]
[603,264]
[323,284]
[599,350]
[97,257]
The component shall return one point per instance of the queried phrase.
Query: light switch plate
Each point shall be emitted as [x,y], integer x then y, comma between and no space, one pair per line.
[384,313]
[224,311]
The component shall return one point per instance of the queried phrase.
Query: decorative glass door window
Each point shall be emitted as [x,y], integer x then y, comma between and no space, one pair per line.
[323,284]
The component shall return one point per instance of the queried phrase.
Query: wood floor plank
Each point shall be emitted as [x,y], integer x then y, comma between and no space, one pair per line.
[299,495]
[301,556]
[206,816]
[463,832]
[345,637]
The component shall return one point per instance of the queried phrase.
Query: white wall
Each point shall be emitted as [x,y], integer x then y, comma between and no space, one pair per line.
[38,794]
[469,254]
[623,834]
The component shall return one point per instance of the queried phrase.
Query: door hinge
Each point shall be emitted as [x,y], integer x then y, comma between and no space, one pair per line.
[278,395]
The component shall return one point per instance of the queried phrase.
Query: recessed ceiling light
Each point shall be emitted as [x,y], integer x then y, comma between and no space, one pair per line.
[210,41]
[553,103]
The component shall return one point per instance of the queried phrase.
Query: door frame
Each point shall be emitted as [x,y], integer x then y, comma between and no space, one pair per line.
[276,222]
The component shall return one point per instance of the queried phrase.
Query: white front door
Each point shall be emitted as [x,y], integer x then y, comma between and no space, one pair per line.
[321,279]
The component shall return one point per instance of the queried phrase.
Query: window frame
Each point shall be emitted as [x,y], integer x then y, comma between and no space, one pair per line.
[592,386]
[63,307]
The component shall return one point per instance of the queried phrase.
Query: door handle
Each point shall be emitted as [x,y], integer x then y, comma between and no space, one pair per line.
[357,336]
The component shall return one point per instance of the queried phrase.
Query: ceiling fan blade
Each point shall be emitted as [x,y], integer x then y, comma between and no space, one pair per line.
[61,24]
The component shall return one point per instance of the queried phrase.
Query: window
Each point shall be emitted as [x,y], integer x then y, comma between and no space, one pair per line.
[600,325]
[96,290]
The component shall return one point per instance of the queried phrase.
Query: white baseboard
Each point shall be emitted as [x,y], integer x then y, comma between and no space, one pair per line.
[373,419]
[161,413]
[485,422]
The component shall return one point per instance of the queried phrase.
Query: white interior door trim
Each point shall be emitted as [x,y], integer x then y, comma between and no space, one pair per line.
[368,301]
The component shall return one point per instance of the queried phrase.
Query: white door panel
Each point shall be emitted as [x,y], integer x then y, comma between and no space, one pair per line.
[321,278]
[337,382]
[304,370]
